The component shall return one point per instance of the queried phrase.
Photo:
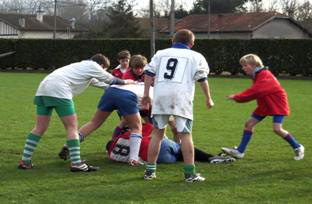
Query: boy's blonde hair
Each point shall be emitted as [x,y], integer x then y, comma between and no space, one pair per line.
[138,61]
[251,59]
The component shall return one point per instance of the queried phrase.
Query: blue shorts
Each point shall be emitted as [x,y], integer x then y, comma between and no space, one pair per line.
[276,118]
[169,151]
[124,101]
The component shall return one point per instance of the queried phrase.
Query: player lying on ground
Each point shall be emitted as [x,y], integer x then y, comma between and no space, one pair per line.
[125,99]
[56,91]
[272,101]
[170,151]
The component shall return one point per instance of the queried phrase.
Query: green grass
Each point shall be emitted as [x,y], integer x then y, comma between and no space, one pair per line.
[267,174]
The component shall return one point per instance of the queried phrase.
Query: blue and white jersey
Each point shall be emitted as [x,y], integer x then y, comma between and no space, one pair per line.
[176,69]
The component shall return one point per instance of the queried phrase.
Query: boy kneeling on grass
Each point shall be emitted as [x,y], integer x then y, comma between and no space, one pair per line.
[272,101]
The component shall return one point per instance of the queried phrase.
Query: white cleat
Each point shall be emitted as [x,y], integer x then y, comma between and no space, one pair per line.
[299,153]
[233,152]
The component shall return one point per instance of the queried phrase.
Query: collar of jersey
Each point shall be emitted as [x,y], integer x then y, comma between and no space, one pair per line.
[180,45]
[257,70]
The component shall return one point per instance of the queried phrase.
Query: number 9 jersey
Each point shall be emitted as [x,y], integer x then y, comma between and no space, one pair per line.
[176,69]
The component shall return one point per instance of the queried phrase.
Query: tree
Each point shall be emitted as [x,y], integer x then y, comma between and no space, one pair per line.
[122,21]
[289,7]
[217,6]
[180,12]
[304,11]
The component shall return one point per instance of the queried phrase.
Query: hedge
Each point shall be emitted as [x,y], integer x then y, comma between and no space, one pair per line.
[282,56]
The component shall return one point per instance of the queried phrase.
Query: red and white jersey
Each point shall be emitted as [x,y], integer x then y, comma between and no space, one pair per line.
[176,70]
[120,148]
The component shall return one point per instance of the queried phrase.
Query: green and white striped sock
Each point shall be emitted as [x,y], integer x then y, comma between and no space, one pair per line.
[151,167]
[30,146]
[74,151]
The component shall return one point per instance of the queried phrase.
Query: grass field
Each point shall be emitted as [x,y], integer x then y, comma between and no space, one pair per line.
[267,174]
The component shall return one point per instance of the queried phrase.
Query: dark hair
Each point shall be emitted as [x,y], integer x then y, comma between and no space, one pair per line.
[101,60]
[184,36]
[123,54]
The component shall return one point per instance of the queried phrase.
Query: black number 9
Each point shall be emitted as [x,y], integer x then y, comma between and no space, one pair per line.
[171,66]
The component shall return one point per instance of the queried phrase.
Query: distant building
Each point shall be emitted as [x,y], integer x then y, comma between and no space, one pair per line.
[36,26]
[160,23]
[258,25]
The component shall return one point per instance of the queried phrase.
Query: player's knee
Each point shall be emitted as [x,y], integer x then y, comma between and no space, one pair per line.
[278,130]
[248,126]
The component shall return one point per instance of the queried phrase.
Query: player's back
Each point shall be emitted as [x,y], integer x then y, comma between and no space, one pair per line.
[174,86]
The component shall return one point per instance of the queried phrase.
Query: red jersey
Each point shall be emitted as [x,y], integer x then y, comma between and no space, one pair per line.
[118,73]
[271,97]
[120,148]
[129,75]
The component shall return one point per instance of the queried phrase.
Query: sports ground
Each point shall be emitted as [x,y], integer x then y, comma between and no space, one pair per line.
[267,174]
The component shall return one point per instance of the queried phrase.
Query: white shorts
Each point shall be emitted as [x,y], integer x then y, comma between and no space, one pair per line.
[183,125]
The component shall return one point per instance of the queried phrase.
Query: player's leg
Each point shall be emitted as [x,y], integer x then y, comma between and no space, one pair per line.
[184,130]
[33,138]
[98,119]
[278,129]
[247,134]
[67,114]
[169,151]
[158,133]
[134,123]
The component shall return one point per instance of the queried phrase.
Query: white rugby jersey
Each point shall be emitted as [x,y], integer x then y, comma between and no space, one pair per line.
[72,79]
[176,69]
[137,89]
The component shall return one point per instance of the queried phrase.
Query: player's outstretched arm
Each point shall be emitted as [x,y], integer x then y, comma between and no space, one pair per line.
[146,99]
[205,88]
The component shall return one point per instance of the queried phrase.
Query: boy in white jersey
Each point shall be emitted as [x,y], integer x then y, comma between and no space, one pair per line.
[56,91]
[175,71]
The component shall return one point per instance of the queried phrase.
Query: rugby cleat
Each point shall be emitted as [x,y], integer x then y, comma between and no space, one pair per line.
[221,159]
[64,153]
[190,178]
[149,175]
[233,152]
[83,167]
[299,153]
[23,165]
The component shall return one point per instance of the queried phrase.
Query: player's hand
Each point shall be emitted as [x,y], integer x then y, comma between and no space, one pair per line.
[135,162]
[129,81]
[146,102]
[209,103]
[231,97]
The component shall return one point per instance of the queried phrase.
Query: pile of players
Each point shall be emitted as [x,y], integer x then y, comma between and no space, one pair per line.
[147,97]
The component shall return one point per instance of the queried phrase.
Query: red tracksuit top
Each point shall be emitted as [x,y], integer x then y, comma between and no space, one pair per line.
[271,97]
[129,75]
[117,73]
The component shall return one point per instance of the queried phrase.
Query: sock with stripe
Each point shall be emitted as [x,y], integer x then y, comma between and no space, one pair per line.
[292,141]
[74,151]
[189,169]
[151,167]
[135,143]
[30,146]
[245,140]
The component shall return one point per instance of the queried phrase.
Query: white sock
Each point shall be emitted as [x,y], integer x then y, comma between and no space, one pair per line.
[135,143]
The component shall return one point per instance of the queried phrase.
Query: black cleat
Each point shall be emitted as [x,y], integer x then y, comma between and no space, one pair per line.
[64,153]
